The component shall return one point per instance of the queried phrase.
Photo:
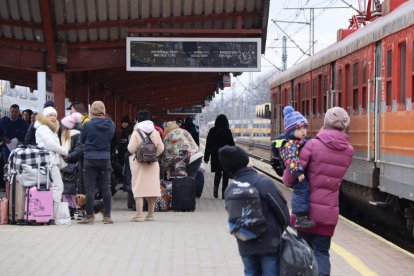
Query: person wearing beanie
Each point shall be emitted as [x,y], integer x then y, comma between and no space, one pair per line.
[288,145]
[325,159]
[336,118]
[47,127]
[218,136]
[96,136]
[260,255]
[145,177]
[192,129]
[49,103]
[70,138]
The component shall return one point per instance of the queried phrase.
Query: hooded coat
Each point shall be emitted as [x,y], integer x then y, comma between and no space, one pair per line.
[145,181]
[217,138]
[325,160]
[47,138]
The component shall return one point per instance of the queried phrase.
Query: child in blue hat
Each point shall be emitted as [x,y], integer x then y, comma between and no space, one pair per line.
[288,145]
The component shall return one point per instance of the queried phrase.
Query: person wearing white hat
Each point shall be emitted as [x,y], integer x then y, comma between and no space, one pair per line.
[47,127]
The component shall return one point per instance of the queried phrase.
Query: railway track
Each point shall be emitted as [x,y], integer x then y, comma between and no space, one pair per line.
[393,234]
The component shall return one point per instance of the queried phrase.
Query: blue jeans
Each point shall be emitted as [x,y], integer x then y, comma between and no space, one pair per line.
[261,265]
[300,197]
[320,245]
[97,172]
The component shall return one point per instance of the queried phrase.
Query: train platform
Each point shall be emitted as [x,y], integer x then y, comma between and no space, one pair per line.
[176,243]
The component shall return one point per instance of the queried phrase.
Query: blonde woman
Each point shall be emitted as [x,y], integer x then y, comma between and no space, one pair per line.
[70,138]
[47,127]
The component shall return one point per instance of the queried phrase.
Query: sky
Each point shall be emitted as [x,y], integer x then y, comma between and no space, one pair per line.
[326,24]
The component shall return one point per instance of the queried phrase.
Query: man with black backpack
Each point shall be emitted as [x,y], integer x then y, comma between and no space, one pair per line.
[258,213]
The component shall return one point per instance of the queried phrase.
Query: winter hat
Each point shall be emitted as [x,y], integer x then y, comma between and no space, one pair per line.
[125,119]
[337,118]
[143,115]
[292,119]
[77,117]
[49,110]
[49,103]
[98,109]
[68,121]
[232,158]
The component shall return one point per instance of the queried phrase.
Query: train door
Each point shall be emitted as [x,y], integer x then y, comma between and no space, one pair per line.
[377,101]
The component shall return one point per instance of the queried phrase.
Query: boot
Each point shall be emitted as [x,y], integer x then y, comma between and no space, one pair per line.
[107,220]
[151,205]
[304,222]
[215,193]
[88,219]
[139,202]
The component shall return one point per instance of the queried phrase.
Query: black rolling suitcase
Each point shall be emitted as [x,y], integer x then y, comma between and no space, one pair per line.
[183,194]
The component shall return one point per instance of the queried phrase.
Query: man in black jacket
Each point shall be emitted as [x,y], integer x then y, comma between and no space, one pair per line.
[260,256]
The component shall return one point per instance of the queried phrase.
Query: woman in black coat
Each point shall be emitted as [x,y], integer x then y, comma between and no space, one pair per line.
[218,136]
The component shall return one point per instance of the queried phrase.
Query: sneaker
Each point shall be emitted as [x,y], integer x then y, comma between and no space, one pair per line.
[78,215]
[107,220]
[86,220]
[304,222]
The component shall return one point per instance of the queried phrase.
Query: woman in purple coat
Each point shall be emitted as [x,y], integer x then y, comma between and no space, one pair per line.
[325,159]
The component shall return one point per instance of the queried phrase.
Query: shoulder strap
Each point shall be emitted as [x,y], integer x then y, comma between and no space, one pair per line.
[142,136]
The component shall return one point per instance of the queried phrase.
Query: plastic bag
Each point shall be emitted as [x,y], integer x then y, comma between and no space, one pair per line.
[61,213]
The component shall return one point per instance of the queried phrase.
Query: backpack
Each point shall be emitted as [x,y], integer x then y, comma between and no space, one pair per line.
[246,220]
[276,160]
[147,152]
[296,257]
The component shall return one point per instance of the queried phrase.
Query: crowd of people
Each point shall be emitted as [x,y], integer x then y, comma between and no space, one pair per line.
[314,167]
[87,145]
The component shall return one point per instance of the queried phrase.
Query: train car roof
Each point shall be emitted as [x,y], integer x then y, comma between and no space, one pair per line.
[399,19]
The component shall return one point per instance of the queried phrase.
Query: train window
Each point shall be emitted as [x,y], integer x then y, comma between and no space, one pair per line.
[307,110]
[389,63]
[364,71]
[388,94]
[339,88]
[348,87]
[314,93]
[364,99]
[325,93]
[388,91]
[355,87]
[402,73]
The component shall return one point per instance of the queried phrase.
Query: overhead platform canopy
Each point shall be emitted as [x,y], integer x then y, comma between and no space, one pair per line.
[85,42]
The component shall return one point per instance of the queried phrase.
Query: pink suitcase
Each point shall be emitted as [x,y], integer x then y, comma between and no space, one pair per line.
[39,205]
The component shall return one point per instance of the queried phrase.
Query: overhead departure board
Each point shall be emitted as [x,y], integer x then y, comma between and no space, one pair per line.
[193,54]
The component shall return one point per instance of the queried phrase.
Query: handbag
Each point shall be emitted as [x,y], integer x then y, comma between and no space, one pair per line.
[32,176]
[61,213]
[69,172]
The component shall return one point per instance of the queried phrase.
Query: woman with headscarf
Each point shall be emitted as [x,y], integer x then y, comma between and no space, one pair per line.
[47,127]
[179,142]
[218,136]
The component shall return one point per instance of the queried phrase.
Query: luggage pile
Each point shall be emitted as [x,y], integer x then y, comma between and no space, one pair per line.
[29,199]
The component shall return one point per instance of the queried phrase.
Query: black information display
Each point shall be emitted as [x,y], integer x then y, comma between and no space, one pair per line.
[194,55]
[185,110]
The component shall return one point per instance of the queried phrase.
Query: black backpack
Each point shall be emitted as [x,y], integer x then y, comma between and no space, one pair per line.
[296,256]
[147,151]
[276,161]
[243,204]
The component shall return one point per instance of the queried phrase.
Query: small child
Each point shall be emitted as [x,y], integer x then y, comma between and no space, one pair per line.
[289,144]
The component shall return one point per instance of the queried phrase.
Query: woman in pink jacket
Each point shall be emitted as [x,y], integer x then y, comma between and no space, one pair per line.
[325,159]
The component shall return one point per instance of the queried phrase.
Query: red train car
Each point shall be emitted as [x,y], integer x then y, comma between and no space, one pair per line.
[370,73]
